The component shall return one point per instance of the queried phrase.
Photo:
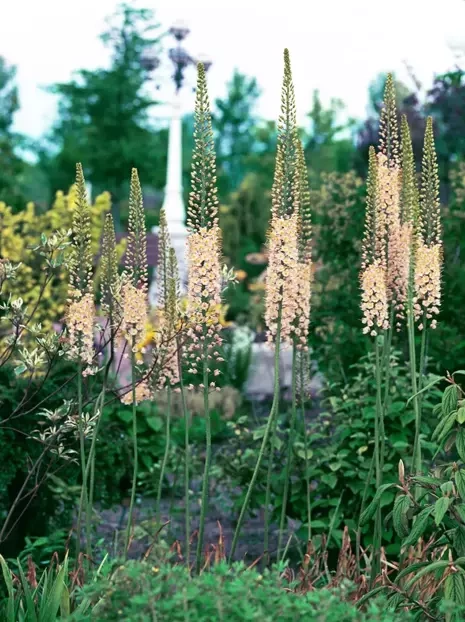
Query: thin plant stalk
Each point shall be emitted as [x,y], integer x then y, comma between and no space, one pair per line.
[99,408]
[265,440]
[416,459]
[306,449]
[358,537]
[289,450]
[208,455]
[135,450]
[84,500]
[379,433]
[186,455]
[266,532]
[165,454]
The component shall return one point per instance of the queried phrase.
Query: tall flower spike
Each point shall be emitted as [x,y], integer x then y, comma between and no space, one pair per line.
[203,201]
[81,252]
[168,296]
[388,126]
[429,194]
[110,281]
[428,260]
[285,191]
[163,251]
[204,240]
[80,312]
[282,288]
[136,253]
[134,286]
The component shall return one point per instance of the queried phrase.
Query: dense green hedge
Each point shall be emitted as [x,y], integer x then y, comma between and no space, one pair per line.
[142,593]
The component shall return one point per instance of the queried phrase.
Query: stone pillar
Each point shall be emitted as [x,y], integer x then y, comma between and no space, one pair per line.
[173,202]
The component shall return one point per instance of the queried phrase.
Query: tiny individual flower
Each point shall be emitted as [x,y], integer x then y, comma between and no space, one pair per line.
[374,299]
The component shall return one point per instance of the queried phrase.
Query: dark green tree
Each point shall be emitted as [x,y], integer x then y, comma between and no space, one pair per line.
[329,144]
[234,123]
[103,115]
[11,165]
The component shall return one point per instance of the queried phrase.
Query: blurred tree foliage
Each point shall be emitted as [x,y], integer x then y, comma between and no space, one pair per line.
[11,165]
[329,144]
[234,124]
[103,116]
[21,232]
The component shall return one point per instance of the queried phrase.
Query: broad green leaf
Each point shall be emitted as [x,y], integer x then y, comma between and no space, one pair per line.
[419,526]
[460,482]
[459,540]
[454,588]
[155,423]
[450,399]
[461,415]
[440,509]
[402,505]
[460,440]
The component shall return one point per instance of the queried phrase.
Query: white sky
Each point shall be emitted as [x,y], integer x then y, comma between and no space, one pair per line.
[337,46]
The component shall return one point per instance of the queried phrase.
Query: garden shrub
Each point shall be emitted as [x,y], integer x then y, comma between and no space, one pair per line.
[141,593]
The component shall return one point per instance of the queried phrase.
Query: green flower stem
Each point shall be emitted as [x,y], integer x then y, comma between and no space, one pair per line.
[416,458]
[186,456]
[266,533]
[84,500]
[266,436]
[135,450]
[379,433]
[358,538]
[289,450]
[208,455]
[306,449]
[165,455]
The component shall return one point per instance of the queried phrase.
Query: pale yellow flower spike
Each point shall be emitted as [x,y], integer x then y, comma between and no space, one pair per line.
[374,299]
[80,312]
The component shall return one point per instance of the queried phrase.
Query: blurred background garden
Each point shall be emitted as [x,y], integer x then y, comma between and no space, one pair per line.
[94,82]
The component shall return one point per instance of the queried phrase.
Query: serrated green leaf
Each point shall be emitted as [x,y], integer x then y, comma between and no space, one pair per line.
[459,540]
[440,509]
[460,439]
[461,415]
[450,399]
[460,482]
[444,427]
[419,526]
[460,509]
[454,588]
[402,505]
